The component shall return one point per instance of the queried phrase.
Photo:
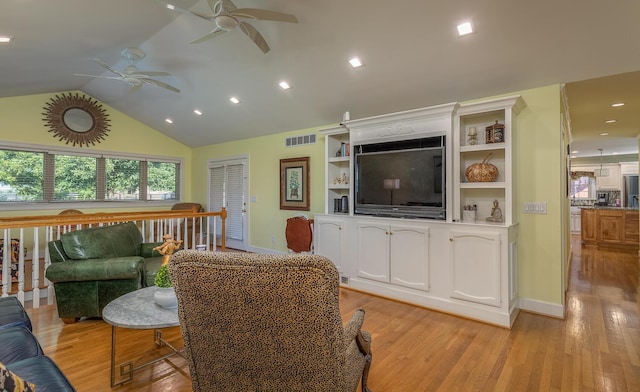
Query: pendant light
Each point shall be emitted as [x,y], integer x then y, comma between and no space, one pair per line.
[601,172]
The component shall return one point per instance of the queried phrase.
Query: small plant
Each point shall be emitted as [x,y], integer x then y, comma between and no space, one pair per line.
[162,278]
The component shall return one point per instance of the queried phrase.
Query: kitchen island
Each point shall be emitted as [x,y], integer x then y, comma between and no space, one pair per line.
[610,228]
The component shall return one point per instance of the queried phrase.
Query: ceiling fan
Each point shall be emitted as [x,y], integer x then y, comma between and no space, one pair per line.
[131,75]
[227,17]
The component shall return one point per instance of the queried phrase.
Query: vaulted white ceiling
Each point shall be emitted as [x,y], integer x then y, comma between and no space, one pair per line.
[412,55]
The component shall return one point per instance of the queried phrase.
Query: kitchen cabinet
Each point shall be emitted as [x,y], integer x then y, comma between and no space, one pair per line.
[631,232]
[611,182]
[588,224]
[611,226]
[615,228]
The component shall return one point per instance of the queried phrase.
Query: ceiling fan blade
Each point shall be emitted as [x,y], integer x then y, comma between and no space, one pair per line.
[160,84]
[226,4]
[143,74]
[100,77]
[210,18]
[107,66]
[258,14]
[255,36]
[207,36]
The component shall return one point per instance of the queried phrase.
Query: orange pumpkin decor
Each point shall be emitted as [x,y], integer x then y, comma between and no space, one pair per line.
[482,172]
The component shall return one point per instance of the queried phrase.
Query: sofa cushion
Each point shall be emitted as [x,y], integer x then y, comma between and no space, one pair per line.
[17,344]
[119,240]
[95,270]
[11,382]
[43,373]
[12,313]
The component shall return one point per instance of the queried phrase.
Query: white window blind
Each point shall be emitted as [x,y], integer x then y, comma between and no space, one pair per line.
[227,190]
[235,201]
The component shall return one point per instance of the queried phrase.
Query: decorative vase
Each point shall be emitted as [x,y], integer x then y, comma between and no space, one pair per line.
[165,297]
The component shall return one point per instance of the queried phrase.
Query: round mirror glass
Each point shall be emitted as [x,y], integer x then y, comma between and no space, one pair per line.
[78,120]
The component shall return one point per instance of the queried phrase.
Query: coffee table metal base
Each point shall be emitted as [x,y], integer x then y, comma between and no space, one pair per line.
[127,368]
[138,310]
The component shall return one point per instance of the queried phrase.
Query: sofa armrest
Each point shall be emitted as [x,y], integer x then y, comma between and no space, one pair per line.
[352,329]
[56,251]
[146,249]
[96,269]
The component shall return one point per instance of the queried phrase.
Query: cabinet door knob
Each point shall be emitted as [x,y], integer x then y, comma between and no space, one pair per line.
[451,239]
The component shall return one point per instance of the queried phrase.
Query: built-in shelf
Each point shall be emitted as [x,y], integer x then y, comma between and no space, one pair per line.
[482,185]
[483,147]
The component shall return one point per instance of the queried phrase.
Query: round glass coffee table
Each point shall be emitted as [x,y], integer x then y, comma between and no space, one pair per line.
[137,310]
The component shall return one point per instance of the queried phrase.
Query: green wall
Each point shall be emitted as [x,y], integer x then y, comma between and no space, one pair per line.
[21,122]
[538,176]
[266,220]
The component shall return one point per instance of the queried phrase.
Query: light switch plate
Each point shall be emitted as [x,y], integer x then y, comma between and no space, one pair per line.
[535,208]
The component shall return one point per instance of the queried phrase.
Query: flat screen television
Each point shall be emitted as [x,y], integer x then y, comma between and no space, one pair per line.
[401,178]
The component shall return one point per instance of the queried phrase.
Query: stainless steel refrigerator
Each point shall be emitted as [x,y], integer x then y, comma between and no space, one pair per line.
[630,191]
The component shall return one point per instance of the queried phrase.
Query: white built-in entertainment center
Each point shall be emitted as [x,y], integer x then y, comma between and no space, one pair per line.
[452,262]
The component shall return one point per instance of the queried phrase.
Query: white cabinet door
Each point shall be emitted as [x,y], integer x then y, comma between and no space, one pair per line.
[475,261]
[409,256]
[611,182]
[329,239]
[373,251]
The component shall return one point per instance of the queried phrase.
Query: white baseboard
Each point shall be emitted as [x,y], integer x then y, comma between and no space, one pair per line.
[541,307]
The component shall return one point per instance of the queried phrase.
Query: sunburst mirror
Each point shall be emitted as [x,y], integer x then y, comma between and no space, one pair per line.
[76,119]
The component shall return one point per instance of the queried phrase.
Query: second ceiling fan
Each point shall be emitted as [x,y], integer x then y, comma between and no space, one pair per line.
[228,17]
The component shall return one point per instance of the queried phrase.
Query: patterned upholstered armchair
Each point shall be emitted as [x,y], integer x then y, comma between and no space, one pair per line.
[255,322]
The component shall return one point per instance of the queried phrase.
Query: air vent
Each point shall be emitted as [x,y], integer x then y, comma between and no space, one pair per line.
[301,140]
[344,280]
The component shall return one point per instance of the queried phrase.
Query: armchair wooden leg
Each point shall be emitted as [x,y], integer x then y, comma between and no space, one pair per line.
[70,320]
[365,373]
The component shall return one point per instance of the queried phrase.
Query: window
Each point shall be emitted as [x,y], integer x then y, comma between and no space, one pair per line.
[45,176]
[583,187]
[75,178]
[21,176]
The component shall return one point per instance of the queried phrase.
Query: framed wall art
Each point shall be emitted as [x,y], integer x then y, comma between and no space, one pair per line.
[294,184]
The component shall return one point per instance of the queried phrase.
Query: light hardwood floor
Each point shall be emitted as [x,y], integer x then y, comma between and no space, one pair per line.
[597,347]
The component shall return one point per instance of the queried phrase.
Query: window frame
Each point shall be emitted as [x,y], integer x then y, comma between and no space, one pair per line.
[90,204]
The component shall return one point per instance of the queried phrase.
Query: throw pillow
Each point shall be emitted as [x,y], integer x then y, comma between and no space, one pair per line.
[10,382]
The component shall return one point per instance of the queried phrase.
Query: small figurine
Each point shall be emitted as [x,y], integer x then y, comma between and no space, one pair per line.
[167,248]
[496,213]
[473,136]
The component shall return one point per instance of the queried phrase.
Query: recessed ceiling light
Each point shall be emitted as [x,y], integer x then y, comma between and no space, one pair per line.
[168,120]
[234,100]
[171,6]
[197,112]
[355,62]
[616,105]
[575,151]
[465,29]
[5,39]
[610,121]
[604,134]
[284,85]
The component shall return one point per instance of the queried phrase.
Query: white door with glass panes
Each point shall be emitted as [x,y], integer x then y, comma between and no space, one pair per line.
[228,188]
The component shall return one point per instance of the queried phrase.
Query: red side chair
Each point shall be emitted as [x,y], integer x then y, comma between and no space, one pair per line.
[299,234]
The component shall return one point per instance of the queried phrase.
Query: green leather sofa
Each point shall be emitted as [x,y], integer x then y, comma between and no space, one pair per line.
[91,267]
